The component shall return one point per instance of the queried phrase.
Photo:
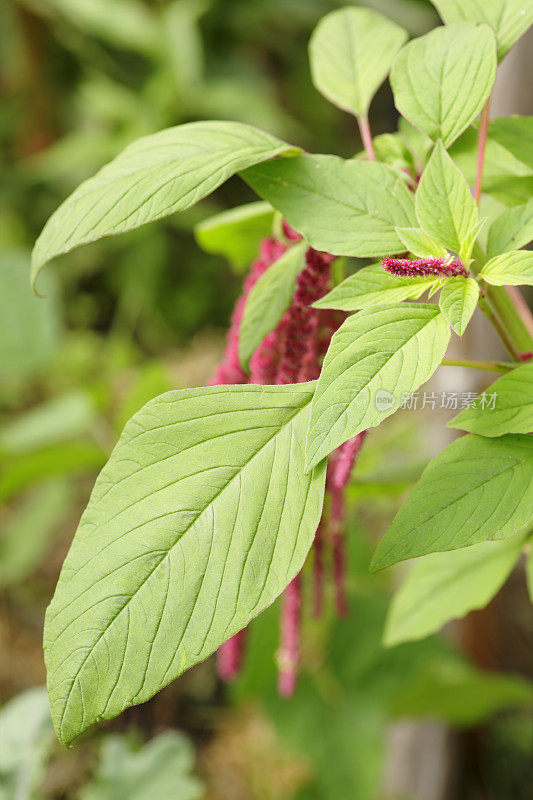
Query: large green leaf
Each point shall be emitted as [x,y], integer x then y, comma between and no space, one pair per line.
[377,357]
[343,207]
[445,207]
[199,520]
[506,407]
[458,301]
[373,286]
[29,326]
[351,52]
[445,586]
[154,177]
[516,135]
[236,233]
[511,230]
[509,19]
[161,769]
[442,80]
[476,490]
[420,244]
[268,300]
[509,269]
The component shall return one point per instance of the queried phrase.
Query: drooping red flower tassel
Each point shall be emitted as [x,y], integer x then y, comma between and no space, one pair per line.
[290,638]
[293,353]
[417,267]
[229,656]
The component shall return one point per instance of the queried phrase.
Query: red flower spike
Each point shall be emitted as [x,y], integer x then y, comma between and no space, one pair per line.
[417,267]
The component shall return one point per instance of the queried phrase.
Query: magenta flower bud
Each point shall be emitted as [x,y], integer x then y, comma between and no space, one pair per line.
[417,267]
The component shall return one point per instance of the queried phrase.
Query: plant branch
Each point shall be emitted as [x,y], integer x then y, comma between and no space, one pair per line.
[487,366]
[491,315]
[366,136]
[481,144]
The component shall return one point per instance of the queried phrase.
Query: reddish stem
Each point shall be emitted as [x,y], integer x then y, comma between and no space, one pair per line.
[481,144]
[366,136]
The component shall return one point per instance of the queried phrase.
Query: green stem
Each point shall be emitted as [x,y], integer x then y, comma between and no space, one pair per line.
[487,366]
[516,325]
[493,317]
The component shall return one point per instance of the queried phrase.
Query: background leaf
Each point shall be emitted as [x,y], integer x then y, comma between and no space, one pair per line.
[236,233]
[160,769]
[30,327]
[351,51]
[445,207]
[515,134]
[511,230]
[458,301]
[446,586]
[373,286]
[442,80]
[509,19]
[27,737]
[154,177]
[268,300]
[514,269]
[376,357]
[475,490]
[460,693]
[511,412]
[346,208]
[164,590]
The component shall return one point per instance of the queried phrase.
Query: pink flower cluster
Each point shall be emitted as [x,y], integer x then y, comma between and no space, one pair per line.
[417,267]
[293,353]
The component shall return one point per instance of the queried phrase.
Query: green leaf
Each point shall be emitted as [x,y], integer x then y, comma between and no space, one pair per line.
[446,586]
[30,327]
[374,359]
[458,301]
[390,149]
[516,135]
[475,490]
[509,269]
[351,52]
[445,207]
[420,244]
[268,300]
[509,19]
[199,520]
[160,769]
[373,286]
[511,230]
[27,739]
[459,693]
[154,177]
[346,208]
[442,80]
[506,407]
[236,234]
